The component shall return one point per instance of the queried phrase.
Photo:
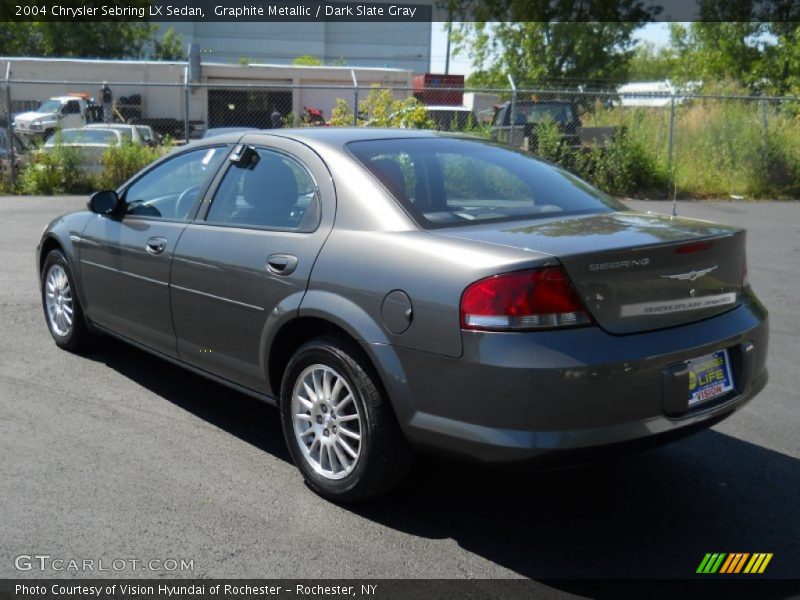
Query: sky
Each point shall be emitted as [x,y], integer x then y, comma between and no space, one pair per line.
[656,33]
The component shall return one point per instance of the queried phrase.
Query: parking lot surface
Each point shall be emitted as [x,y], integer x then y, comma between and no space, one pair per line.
[116,454]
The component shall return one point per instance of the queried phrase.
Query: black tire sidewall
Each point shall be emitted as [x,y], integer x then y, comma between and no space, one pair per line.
[329,353]
[55,257]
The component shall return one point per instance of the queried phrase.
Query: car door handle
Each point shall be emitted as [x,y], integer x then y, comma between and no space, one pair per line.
[156,245]
[281,264]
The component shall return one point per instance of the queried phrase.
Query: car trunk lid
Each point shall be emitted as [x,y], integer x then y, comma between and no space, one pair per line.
[634,272]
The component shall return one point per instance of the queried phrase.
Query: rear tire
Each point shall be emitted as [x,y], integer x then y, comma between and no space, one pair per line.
[62,308]
[338,424]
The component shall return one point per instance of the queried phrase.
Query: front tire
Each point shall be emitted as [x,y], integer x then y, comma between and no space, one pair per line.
[62,308]
[338,424]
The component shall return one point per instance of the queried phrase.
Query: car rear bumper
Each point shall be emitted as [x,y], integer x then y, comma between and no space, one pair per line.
[517,397]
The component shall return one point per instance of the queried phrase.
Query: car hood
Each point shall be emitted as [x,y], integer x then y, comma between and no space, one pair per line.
[32,116]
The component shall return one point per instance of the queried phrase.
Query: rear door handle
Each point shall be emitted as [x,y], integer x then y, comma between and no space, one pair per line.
[156,245]
[281,264]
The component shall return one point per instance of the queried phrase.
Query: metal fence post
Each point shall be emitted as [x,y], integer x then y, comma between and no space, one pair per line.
[186,105]
[764,124]
[512,137]
[10,129]
[670,165]
[355,98]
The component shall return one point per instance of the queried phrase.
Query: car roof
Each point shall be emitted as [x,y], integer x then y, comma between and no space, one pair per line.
[328,138]
[338,137]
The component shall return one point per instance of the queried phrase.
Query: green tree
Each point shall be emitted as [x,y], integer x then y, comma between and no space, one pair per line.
[538,41]
[714,52]
[113,39]
[170,46]
[536,52]
[651,64]
[781,62]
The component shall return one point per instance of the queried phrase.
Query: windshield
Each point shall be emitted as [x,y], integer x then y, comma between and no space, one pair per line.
[447,181]
[84,136]
[51,106]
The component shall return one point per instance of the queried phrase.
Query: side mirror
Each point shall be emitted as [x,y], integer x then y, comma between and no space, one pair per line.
[104,203]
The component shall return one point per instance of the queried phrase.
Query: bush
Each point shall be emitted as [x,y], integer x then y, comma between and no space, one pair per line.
[721,148]
[381,109]
[623,167]
[120,163]
[56,171]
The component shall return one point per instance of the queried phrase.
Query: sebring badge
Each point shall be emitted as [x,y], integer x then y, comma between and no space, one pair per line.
[691,275]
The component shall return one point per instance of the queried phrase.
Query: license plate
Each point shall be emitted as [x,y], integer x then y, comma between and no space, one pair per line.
[709,377]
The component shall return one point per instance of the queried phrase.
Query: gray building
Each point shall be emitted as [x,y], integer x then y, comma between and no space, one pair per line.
[381,44]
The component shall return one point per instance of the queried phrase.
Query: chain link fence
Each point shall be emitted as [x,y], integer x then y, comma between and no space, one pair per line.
[656,144]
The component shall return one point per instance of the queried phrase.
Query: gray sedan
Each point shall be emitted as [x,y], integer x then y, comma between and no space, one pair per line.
[393,291]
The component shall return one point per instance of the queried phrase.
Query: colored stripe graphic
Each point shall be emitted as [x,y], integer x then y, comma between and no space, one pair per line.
[740,563]
[733,563]
[711,562]
[727,564]
[703,563]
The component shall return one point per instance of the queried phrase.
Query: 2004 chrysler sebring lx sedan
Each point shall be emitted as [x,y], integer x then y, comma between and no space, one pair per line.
[392,290]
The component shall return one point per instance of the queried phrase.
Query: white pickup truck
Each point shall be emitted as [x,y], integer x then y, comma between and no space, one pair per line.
[60,112]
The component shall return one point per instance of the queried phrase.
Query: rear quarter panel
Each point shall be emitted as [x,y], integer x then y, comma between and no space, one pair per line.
[357,269]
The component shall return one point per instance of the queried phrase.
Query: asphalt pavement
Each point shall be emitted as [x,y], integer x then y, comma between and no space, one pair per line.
[116,454]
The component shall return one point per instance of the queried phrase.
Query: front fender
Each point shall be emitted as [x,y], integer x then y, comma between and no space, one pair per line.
[65,232]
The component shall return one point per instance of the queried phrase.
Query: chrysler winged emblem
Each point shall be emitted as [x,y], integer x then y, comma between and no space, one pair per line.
[691,275]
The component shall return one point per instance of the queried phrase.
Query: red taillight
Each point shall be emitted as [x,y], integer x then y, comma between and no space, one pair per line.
[694,247]
[536,299]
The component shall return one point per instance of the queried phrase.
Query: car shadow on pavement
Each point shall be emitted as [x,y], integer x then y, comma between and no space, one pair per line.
[650,515]
[249,419]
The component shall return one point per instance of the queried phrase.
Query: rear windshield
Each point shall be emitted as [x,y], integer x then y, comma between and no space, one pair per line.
[83,136]
[445,181]
[543,111]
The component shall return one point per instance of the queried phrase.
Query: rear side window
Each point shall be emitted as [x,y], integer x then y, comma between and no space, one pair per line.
[447,181]
[275,193]
[72,107]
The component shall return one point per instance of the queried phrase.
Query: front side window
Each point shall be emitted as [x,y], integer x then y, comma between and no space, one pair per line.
[447,181]
[169,190]
[276,193]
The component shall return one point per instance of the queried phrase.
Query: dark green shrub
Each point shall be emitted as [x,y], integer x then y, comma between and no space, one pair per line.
[122,162]
[623,167]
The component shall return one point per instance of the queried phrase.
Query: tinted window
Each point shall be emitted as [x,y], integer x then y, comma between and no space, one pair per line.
[72,107]
[169,190]
[443,181]
[277,192]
